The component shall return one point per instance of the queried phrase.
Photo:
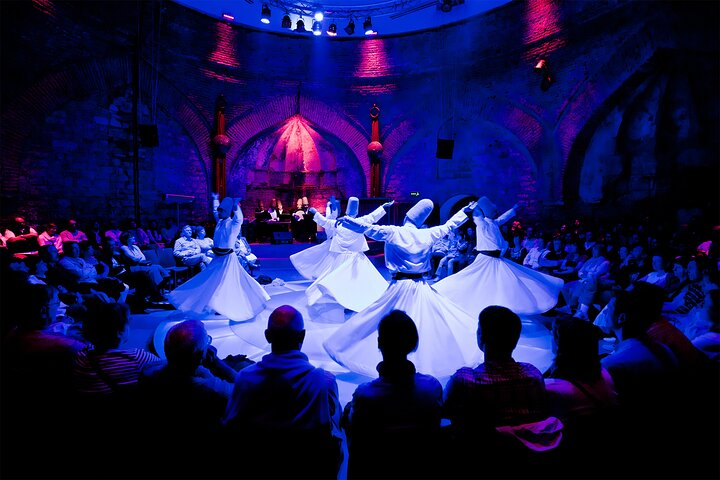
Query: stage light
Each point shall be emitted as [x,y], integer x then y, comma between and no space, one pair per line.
[332,30]
[286,22]
[265,14]
[228,16]
[300,26]
[316,28]
[367,27]
[350,29]
[446,6]
[319,16]
[540,66]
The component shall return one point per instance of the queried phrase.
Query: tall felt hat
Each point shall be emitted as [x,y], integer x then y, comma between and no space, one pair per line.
[353,206]
[419,212]
[227,204]
[488,208]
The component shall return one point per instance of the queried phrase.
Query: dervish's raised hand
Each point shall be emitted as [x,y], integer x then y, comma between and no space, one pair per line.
[470,207]
[387,205]
[312,210]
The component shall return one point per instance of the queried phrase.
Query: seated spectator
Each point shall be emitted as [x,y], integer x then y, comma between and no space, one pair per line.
[50,236]
[154,235]
[456,247]
[659,275]
[109,284]
[142,238]
[134,260]
[247,259]
[185,398]
[105,383]
[581,294]
[72,233]
[392,423]
[494,404]
[80,276]
[20,237]
[206,243]
[285,402]
[553,256]
[571,263]
[169,231]
[95,234]
[188,250]
[536,249]
[36,371]
[113,230]
[516,252]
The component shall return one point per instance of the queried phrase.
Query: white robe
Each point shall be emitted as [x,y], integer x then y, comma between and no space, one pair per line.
[224,286]
[349,278]
[499,281]
[447,334]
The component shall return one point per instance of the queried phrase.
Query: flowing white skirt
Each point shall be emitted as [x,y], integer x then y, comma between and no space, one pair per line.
[448,338]
[312,261]
[499,281]
[223,287]
[350,279]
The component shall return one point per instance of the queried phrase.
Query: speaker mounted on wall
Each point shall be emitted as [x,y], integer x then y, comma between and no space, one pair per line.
[148,134]
[445,147]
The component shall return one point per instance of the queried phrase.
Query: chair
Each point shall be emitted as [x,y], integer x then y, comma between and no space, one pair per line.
[167,260]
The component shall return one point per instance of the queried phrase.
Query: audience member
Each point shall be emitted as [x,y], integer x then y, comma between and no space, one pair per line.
[72,233]
[392,423]
[286,403]
[169,231]
[500,401]
[50,237]
[184,400]
[188,250]
[113,230]
[134,260]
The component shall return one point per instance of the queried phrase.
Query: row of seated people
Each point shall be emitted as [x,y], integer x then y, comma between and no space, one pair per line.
[646,410]
[20,236]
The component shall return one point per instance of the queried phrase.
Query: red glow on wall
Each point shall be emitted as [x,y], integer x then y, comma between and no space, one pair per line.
[542,19]
[225,41]
[45,6]
[374,61]
[296,149]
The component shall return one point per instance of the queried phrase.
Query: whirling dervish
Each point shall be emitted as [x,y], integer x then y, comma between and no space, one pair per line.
[493,279]
[349,277]
[312,261]
[447,333]
[224,286]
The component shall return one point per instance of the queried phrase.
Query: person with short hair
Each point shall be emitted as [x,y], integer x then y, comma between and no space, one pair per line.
[392,423]
[286,404]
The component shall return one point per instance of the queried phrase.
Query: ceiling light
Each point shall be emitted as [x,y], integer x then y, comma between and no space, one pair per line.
[446,6]
[332,30]
[319,16]
[228,16]
[300,26]
[350,29]
[286,22]
[316,28]
[367,27]
[265,13]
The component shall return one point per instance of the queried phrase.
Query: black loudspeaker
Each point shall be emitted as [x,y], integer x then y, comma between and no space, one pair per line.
[148,135]
[445,147]
[282,237]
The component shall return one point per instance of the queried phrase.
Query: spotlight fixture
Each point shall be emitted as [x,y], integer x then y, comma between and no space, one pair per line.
[542,68]
[228,16]
[265,13]
[316,28]
[300,26]
[332,30]
[367,27]
[318,16]
[350,29]
[286,22]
